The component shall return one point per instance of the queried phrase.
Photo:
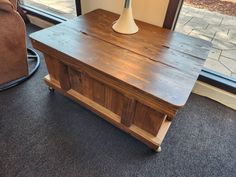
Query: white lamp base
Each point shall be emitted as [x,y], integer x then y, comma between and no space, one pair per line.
[126,24]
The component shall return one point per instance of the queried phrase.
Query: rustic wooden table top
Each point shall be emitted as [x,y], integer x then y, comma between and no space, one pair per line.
[159,62]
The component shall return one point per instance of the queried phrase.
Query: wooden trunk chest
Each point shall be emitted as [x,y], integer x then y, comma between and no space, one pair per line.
[136,82]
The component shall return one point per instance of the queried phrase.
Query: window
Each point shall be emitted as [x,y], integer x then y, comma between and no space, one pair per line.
[61,8]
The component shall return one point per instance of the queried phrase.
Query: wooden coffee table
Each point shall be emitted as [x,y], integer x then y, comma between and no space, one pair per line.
[136,82]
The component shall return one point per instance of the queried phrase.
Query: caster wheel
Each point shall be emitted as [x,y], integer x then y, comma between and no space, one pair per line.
[51,89]
[158,150]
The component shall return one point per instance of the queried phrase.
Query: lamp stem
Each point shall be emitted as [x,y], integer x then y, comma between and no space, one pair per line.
[127,4]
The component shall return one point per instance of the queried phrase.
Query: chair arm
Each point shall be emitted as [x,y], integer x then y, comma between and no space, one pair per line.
[14,3]
[6,5]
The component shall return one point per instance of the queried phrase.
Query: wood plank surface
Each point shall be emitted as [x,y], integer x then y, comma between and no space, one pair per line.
[154,61]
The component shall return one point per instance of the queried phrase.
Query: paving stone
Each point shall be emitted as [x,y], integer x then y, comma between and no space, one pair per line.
[223,45]
[200,25]
[229,21]
[216,28]
[209,14]
[199,35]
[214,54]
[232,27]
[185,10]
[217,66]
[229,63]
[185,29]
[229,54]
[183,19]
[222,35]
[232,33]
[198,20]
[204,32]
[215,20]
[196,14]
[229,17]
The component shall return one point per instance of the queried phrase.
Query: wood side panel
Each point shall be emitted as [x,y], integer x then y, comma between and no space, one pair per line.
[108,97]
[98,91]
[53,67]
[148,119]
[50,66]
[75,79]
[93,89]
[64,78]
[145,137]
[117,102]
[86,90]
[128,111]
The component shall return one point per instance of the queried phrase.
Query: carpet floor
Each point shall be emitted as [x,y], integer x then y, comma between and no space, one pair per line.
[48,135]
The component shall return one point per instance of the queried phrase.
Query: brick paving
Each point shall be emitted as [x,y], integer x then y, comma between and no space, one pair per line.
[215,27]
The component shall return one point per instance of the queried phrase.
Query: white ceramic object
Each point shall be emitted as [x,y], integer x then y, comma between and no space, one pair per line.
[126,24]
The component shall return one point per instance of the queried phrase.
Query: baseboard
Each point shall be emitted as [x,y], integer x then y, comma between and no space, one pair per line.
[39,22]
[221,96]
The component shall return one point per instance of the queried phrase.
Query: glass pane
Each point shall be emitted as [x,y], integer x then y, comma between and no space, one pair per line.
[64,8]
[214,22]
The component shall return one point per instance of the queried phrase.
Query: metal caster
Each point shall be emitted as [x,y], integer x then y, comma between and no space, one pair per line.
[158,150]
[51,89]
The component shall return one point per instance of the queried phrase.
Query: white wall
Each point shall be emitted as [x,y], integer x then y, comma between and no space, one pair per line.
[150,11]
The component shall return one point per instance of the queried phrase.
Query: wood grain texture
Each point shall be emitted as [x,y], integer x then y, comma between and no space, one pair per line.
[152,141]
[137,82]
[75,80]
[148,119]
[156,61]
[127,117]
[64,79]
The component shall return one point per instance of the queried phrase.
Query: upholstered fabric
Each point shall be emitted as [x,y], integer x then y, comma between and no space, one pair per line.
[13,55]
[6,5]
[14,3]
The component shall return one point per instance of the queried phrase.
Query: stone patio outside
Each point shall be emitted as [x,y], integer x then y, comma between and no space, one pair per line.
[64,8]
[215,27]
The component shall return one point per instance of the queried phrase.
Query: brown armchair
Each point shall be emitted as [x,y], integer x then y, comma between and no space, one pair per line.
[13,51]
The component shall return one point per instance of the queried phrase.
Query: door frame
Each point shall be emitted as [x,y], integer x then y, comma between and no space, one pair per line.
[78,7]
[172,13]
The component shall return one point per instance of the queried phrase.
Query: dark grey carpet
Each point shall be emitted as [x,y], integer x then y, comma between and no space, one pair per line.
[48,135]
